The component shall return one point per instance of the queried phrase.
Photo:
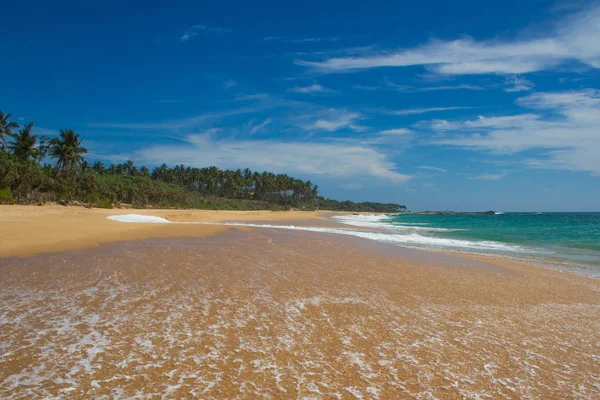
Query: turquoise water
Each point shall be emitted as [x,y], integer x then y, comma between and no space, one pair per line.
[569,241]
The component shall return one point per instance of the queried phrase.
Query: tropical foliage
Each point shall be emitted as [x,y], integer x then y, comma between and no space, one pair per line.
[72,178]
[24,144]
[6,127]
[67,151]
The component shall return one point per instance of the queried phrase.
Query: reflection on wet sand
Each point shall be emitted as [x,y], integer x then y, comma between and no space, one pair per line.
[267,313]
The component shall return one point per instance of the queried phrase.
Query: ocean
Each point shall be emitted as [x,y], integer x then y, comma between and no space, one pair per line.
[567,241]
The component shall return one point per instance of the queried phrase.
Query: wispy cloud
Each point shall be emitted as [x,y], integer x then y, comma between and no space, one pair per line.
[488,177]
[397,131]
[564,132]
[324,160]
[389,85]
[365,87]
[413,111]
[179,124]
[333,120]
[229,83]
[415,89]
[311,89]
[259,127]
[503,122]
[293,116]
[38,130]
[446,87]
[430,168]
[196,30]
[518,84]
[576,37]
[299,40]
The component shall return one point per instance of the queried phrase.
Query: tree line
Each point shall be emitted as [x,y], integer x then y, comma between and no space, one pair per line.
[26,177]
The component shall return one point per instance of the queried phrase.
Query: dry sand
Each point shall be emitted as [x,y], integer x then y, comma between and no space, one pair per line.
[27,230]
[266,313]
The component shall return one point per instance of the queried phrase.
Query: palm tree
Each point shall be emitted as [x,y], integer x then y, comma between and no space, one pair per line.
[144,171]
[160,173]
[98,168]
[42,148]
[67,150]
[6,128]
[130,168]
[24,143]
[85,166]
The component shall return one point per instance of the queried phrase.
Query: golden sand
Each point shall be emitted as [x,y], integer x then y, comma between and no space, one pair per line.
[26,230]
[265,313]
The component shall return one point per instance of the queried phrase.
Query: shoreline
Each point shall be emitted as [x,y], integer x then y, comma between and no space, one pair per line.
[29,230]
[32,230]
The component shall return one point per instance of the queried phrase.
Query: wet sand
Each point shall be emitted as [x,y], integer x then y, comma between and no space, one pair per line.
[267,313]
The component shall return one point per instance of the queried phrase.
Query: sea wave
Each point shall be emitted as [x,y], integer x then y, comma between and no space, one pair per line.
[139,219]
[407,239]
[379,222]
[364,220]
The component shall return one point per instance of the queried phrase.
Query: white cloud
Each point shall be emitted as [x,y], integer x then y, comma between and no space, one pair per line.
[288,115]
[195,30]
[574,38]
[412,111]
[430,168]
[299,40]
[414,89]
[447,87]
[259,127]
[438,125]
[327,160]
[488,177]
[181,124]
[397,131]
[334,119]
[481,123]
[312,89]
[518,84]
[506,122]
[566,135]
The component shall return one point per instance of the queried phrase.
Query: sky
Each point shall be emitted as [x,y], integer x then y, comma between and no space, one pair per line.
[463,105]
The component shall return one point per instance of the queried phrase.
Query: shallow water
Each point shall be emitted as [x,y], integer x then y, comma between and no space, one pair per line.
[569,241]
[274,313]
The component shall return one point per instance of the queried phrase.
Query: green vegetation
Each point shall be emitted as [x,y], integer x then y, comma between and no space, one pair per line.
[6,197]
[24,180]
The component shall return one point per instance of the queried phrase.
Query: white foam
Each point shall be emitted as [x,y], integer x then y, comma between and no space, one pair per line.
[139,218]
[378,222]
[366,220]
[407,238]
[403,239]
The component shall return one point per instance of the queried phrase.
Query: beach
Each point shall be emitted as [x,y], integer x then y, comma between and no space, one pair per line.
[29,230]
[95,308]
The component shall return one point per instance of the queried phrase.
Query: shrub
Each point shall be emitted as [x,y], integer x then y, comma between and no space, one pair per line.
[6,197]
[99,201]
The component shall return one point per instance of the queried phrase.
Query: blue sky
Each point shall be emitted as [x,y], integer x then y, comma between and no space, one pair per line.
[437,105]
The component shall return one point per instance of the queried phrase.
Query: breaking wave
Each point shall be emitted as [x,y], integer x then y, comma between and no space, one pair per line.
[406,237]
